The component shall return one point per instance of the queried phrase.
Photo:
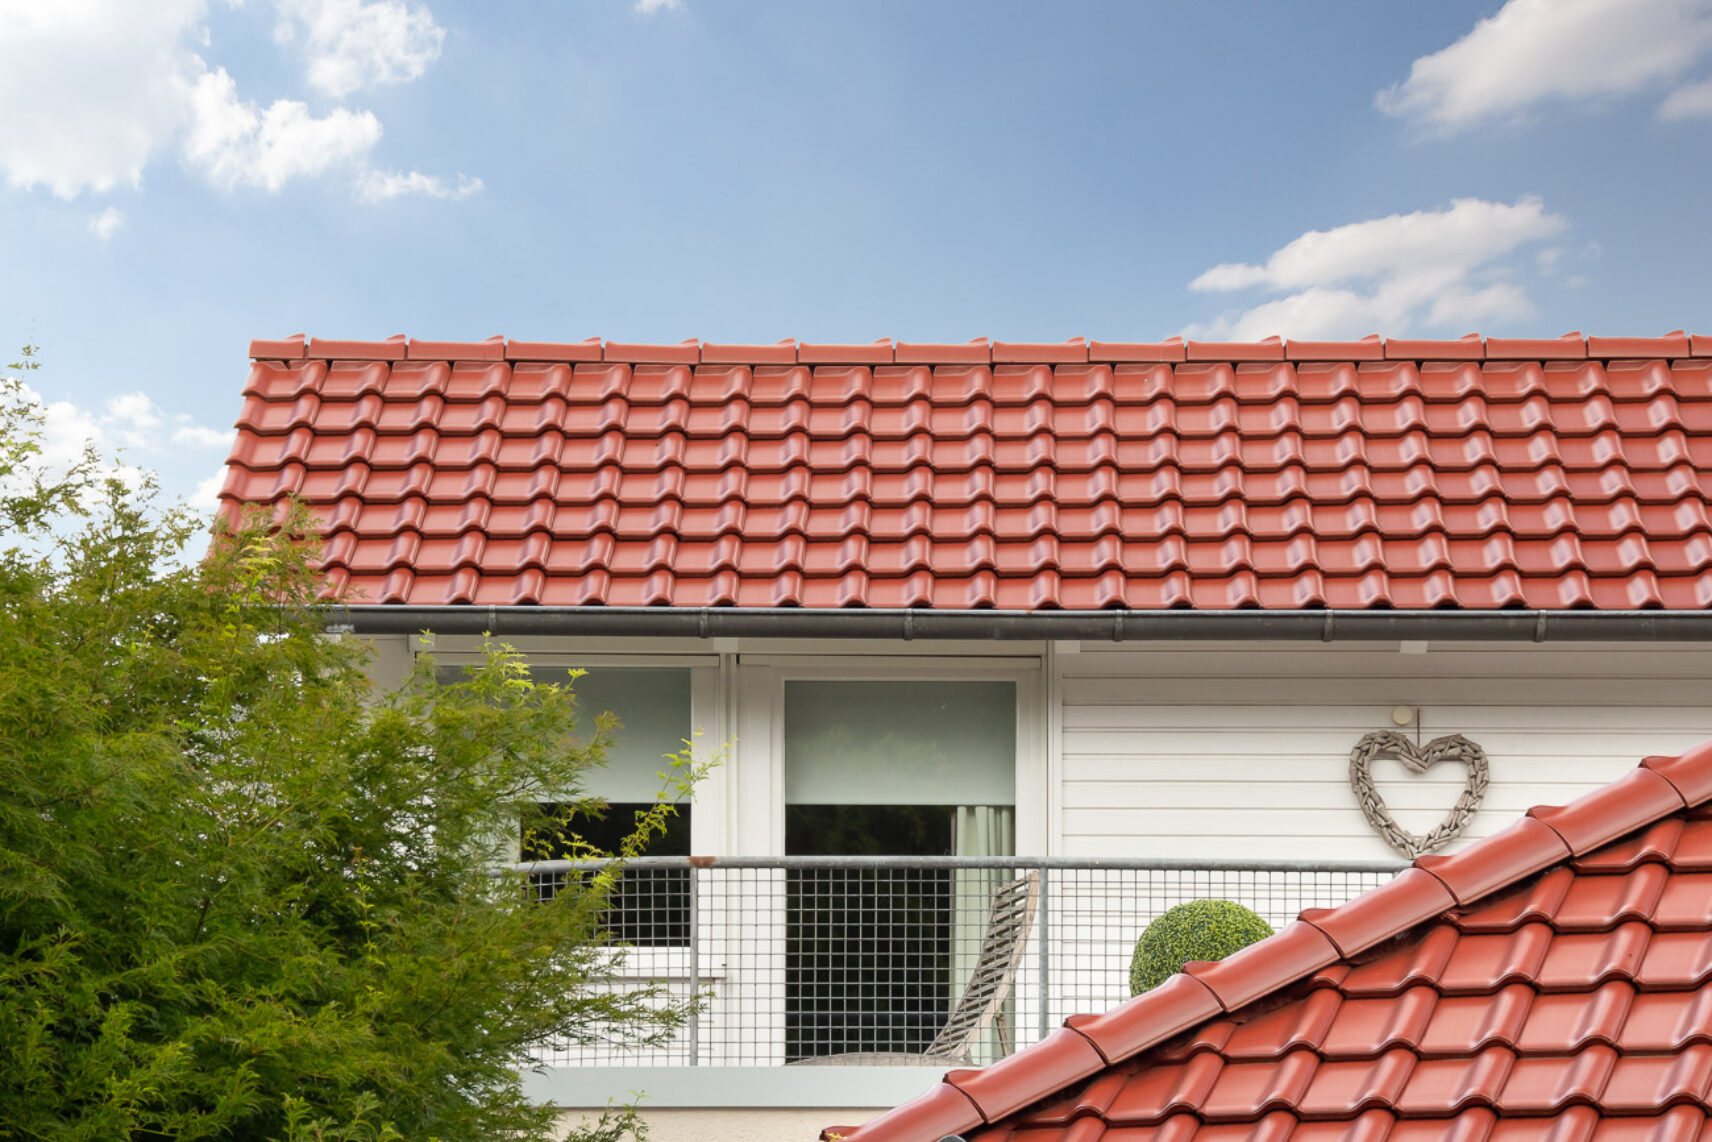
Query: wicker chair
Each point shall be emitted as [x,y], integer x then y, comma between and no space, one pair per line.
[981,1005]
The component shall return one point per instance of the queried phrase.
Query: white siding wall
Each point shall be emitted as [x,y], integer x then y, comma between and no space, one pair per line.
[1228,750]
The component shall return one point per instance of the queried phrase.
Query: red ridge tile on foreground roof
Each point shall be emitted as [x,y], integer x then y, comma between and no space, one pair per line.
[1469,997]
[1021,476]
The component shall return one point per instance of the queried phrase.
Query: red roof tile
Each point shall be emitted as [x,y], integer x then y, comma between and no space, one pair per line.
[1082,475]
[1563,998]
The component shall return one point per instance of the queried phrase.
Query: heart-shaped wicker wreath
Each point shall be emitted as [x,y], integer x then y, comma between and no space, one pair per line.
[1417,759]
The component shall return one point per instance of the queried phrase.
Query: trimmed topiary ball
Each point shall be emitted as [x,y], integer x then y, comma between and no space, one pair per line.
[1199,930]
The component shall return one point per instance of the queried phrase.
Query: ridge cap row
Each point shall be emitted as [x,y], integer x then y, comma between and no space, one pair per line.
[984,351]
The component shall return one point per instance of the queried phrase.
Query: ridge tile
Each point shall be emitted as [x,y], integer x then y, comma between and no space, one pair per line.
[1412,897]
[942,1110]
[1295,952]
[1673,344]
[1638,798]
[392,349]
[287,349]
[493,349]
[1062,1058]
[1690,773]
[1176,1005]
[1524,848]
[553,351]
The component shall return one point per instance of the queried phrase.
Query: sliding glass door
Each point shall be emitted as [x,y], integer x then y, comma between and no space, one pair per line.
[876,956]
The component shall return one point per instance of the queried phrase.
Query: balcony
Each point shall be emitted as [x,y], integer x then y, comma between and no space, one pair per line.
[851,974]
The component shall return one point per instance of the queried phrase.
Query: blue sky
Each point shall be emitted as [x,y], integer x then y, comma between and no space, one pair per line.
[179,176]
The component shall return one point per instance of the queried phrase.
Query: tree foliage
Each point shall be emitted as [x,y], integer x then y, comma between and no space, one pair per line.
[243,895]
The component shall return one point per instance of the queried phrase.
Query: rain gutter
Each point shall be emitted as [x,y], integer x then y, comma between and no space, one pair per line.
[996,625]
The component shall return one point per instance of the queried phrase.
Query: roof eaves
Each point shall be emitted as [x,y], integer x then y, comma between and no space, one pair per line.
[1547,836]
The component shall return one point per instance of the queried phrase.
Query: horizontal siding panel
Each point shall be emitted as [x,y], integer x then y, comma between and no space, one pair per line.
[1529,743]
[1383,692]
[1220,847]
[1405,794]
[1231,820]
[1234,752]
[1282,717]
[1331,768]
[1357,661]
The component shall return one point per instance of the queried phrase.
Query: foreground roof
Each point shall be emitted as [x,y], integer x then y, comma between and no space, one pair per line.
[1086,475]
[1552,982]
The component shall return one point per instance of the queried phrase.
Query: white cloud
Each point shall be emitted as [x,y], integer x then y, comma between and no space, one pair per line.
[127,427]
[129,420]
[192,435]
[92,91]
[206,497]
[350,44]
[66,429]
[378,186]
[1432,267]
[649,7]
[1690,101]
[134,419]
[1534,51]
[235,144]
[107,223]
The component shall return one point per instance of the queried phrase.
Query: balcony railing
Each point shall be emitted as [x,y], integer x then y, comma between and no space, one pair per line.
[880,961]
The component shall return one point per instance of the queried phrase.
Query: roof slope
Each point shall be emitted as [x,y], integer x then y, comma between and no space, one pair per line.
[1548,983]
[1080,476]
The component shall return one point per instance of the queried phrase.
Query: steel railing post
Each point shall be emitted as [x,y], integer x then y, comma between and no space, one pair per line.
[1044,915]
[695,966]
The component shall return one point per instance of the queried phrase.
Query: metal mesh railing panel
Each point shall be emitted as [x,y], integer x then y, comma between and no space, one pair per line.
[823,961]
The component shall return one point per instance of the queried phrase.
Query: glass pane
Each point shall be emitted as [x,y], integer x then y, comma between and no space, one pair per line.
[900,743]
[653,705]
[648,906]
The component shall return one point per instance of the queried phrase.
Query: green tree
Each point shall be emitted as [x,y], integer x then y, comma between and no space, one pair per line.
[242,894]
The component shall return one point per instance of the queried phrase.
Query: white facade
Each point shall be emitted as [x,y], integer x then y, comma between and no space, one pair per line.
[1164,750]
[1221,749]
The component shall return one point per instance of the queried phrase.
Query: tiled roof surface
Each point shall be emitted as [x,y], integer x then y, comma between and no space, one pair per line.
[1481,474]
[1553,982]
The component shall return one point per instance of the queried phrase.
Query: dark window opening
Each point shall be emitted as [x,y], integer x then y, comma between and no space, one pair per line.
[649,906]
[867,951]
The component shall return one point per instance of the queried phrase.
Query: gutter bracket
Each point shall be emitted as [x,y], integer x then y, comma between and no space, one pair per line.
[1540,627]
[1328,628]
[909,624]
[702,624]
[1117,626]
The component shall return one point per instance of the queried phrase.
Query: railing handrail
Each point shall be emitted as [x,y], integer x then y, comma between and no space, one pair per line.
[1143,864]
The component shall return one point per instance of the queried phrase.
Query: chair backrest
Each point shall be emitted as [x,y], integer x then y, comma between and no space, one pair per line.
[1002,947]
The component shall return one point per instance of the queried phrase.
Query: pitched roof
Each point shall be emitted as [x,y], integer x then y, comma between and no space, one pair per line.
[1548,983]
[1082,476]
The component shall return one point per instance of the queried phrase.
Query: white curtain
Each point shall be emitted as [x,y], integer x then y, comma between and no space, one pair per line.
[979,831]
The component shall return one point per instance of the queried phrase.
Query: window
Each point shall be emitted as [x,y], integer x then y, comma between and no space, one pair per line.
[652,704]
[874,957]
[649,906]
